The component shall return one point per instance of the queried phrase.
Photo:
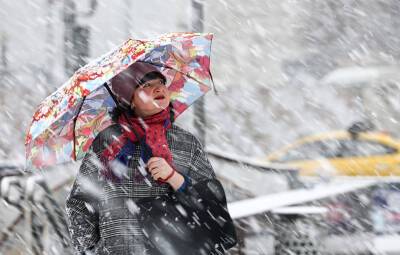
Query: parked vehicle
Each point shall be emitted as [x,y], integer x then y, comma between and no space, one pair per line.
[344,153]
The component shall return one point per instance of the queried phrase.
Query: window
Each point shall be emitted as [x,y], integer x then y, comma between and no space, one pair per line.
[313,150]
[362,148]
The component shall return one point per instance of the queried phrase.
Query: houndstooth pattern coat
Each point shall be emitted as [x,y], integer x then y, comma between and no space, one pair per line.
[102,215]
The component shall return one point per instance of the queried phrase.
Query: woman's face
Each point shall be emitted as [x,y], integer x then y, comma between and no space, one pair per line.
[150,98]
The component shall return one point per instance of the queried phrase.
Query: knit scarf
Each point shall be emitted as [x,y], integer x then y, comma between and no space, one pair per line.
[150,132]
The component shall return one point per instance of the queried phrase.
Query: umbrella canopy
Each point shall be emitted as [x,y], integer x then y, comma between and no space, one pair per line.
[66,122]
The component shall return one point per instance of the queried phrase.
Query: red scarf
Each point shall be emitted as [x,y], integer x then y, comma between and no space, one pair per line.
[152,128]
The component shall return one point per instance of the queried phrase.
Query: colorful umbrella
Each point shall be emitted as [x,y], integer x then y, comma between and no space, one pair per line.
[66,122]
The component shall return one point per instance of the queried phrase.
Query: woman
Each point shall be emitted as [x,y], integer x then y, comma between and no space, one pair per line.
[143,155]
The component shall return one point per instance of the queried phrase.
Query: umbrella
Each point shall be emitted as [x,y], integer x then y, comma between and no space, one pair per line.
[66,122]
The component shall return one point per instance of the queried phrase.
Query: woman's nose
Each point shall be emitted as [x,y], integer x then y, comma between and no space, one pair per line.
[158,88]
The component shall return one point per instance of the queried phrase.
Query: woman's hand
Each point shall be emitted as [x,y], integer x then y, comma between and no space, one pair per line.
[160,169]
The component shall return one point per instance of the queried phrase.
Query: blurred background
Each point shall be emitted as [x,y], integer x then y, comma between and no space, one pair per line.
[283,70]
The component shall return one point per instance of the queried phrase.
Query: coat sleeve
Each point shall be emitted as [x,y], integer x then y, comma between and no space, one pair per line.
[200,166]
[82,205]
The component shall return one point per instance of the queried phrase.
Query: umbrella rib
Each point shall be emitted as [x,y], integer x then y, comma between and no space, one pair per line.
[209,71]
[110,92]
[73,129]
[213,84]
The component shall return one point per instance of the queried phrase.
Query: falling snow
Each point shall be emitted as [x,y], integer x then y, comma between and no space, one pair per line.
[282,70]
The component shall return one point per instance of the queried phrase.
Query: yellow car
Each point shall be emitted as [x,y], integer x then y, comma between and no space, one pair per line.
[342,153]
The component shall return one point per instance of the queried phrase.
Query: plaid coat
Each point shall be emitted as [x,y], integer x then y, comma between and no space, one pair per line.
[102,215]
